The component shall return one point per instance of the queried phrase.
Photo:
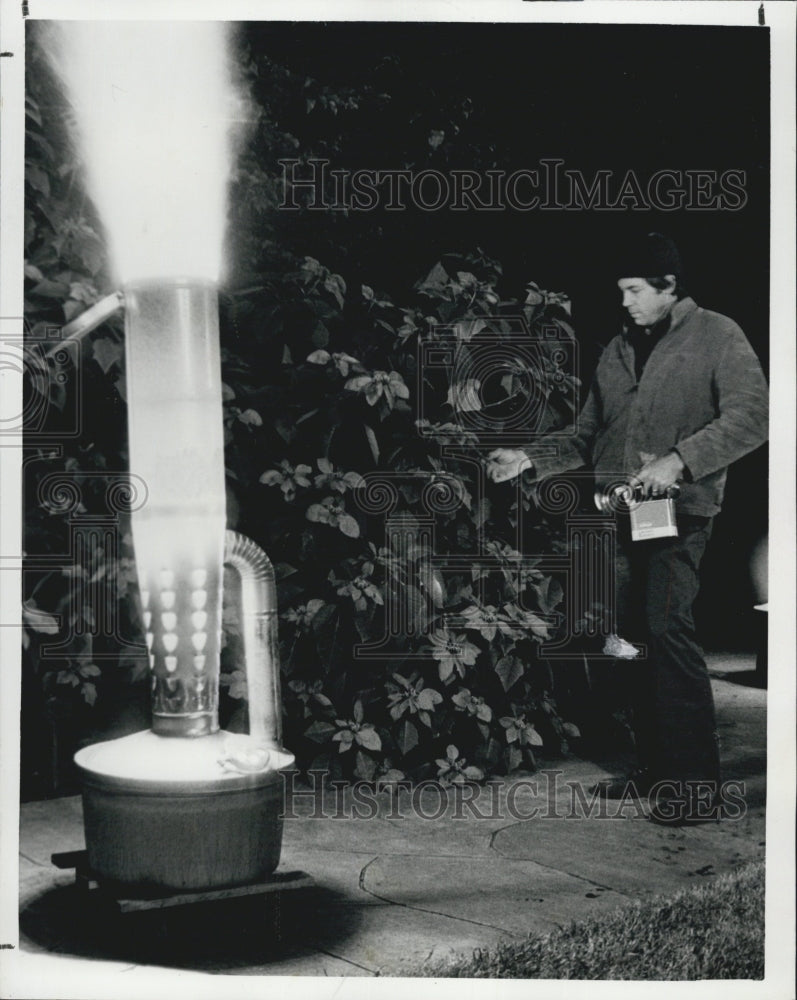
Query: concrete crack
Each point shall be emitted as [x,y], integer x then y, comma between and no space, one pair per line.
[348,961]
[426,909]
[552,868]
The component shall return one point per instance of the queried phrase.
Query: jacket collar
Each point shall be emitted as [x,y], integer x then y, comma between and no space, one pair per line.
[679,312]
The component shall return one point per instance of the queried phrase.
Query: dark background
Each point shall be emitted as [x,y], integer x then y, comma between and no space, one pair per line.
[598,97]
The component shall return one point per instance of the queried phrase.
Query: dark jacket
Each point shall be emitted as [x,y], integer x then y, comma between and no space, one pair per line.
[702,393]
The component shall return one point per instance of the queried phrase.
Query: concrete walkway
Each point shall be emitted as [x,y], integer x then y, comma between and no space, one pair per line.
[422,879]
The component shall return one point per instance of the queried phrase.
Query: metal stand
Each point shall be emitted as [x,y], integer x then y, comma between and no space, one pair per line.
[130,899]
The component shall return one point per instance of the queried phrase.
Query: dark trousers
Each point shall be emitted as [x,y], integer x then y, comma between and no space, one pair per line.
[672,704]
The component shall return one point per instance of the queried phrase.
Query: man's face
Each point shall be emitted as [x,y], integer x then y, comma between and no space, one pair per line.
[645,304]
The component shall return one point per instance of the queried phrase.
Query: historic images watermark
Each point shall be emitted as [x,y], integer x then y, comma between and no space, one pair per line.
[50,368]
[412,553]
[465,362]
[548,186]
[547,795]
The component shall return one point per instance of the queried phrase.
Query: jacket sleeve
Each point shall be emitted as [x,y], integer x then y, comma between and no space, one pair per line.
[572,447]
[742,421]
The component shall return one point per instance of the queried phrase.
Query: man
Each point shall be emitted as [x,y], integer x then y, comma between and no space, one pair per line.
[676,398]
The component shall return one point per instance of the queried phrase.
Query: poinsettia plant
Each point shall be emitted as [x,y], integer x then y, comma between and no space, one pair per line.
[349,406]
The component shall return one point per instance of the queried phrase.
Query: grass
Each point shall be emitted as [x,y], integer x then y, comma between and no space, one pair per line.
[712,932]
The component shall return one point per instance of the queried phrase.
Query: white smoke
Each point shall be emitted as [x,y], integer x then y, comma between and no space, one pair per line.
[155,108]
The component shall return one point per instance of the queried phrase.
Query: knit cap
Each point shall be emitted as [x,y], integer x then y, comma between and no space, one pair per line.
[650,256]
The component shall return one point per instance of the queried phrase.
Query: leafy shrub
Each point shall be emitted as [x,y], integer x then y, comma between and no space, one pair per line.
[325,405]
[309,438]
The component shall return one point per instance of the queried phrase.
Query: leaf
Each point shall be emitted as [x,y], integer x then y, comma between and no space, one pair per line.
[438,589]
[407,737]
[236,684]
[367,627]
[357,383]
[359,715]
[533,737]
[87,246]
[445,669]
[397,710]
[345,740]
[71,309]
[89,692]
[38,179]
[51,289]
[549,594]
[319,357]
[373,392]
[349,526]
[466,329]
[315,605]
[365,767]
[390,777]
[251,417]
[368,738]
[318,512]
[39,620]
[428,698]
[461,698]
[571,730]
[484,713]
[514,758]
[320,731]
[465,396]
[473,773]
[322,622]
[271,477]
[107,353]
[372,442]
[509,670]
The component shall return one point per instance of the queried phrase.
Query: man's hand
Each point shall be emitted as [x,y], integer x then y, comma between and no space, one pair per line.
[657,474]
[506,463]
